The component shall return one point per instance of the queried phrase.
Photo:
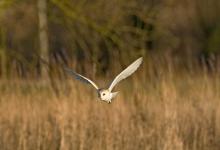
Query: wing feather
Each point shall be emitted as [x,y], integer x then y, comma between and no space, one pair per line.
[127,72]
[81,78]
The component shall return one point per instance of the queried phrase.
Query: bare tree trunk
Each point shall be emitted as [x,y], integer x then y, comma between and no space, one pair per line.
[43,36]
[3,55]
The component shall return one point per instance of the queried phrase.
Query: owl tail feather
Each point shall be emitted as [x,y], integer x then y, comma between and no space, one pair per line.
[114,94]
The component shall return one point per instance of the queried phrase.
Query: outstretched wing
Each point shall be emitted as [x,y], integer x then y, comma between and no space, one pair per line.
[80,77]
[127,72]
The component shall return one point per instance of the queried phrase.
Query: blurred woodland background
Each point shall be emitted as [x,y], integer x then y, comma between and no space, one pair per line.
[91,36]
[172,102]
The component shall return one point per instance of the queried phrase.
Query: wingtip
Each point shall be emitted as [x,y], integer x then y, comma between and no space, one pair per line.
[140,59]
[65,68]
[68,69]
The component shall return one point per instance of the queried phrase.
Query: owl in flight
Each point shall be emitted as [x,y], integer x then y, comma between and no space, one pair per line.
[106,94]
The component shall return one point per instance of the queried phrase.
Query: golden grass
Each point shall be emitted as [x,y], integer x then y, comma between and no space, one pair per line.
[169,113]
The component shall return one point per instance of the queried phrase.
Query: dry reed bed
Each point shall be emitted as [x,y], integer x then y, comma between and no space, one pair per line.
[168,113]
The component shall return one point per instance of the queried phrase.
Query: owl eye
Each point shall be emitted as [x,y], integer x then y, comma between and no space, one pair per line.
[103,94]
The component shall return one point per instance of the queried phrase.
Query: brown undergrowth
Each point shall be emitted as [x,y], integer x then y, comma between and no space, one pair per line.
[168,113]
